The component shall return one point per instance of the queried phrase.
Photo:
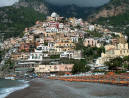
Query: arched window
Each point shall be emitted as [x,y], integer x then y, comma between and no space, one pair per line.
[55,68]
[32,56]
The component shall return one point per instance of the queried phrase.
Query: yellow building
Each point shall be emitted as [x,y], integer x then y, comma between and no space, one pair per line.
[64,44]
[112,51]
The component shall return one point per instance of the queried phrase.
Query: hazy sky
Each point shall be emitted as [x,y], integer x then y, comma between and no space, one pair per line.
[7,2]
[86,3]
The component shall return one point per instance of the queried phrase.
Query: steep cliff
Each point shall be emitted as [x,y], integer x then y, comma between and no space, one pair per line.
[37,5]
[114,15]
[113,8]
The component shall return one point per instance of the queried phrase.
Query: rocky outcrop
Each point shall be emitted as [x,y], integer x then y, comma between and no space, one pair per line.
[114,8]
[36,5]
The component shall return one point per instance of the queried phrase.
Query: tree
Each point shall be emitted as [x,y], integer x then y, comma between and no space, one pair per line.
[9,65]
[79,45]
[80,66]
[113,64]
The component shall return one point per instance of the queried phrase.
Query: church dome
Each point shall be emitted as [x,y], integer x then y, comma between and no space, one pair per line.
[54,14]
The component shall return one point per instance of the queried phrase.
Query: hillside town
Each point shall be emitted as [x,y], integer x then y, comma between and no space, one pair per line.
[48,46]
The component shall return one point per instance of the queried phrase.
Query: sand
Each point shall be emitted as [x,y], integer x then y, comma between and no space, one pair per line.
[43,88]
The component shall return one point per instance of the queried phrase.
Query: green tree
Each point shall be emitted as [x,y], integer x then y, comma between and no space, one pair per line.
[80,66]
[9,65]
[113,64]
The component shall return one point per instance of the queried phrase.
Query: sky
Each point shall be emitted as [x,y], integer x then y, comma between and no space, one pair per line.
[82,3]
[7,2]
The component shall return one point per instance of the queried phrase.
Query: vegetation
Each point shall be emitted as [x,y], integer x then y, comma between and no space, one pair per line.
[14,20]
[118,2]
[79,65]
[55,56]
[2,53]
[119,23]
[94,34]
[119,20]
[118,63]
[79,45]
[9,65]
[91,53]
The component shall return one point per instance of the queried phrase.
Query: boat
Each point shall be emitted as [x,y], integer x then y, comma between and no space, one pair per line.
[10,78]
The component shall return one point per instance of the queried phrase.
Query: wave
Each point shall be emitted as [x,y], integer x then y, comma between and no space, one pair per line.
[6,91]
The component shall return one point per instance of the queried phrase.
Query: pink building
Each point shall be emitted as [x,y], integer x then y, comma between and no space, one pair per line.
[54,68]
[65,67]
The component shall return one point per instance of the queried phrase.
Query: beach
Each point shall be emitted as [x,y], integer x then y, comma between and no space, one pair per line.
[44,88]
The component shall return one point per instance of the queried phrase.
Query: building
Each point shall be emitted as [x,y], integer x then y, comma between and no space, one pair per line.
[54,68]
[54,17]
[71,54]
[35,57]
[112,51]
[25,66]
[42,48]
[91,27]
[90,42]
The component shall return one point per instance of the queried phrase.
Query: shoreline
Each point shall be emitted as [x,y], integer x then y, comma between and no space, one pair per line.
[45,88]
[11,88]
[25,91]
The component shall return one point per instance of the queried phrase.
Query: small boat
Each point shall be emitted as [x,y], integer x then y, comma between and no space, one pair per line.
[10,78]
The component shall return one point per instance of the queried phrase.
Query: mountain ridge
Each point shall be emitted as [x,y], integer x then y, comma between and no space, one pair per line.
[113,8]
[26,12]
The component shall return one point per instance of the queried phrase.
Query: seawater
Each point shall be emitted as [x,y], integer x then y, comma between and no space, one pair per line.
[9,86]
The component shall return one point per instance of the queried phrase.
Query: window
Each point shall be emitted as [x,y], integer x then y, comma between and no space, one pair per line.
[55,67]
[32,56]
[66,68]
[88,41]
[120,51]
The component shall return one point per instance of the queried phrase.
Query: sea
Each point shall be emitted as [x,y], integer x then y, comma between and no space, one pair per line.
[9,86]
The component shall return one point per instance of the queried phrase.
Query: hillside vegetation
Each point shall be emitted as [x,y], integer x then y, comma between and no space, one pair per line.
[114,15]
[14,20]
[25,13]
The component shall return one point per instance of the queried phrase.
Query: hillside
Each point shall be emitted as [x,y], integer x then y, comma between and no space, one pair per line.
[114,15]
[113,8]
[72,10]
[15,18]
[25,13]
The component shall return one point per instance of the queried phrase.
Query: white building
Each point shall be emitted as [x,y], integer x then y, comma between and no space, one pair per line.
[42,48]
[36,57]
[71,54]
[51,29]
[91,27]
[54,15]
[75,39]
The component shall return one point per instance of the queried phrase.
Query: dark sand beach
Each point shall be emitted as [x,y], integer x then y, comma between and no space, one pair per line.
[41,88]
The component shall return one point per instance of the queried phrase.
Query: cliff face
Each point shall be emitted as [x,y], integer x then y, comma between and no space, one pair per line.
[113,8]
[37,5]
